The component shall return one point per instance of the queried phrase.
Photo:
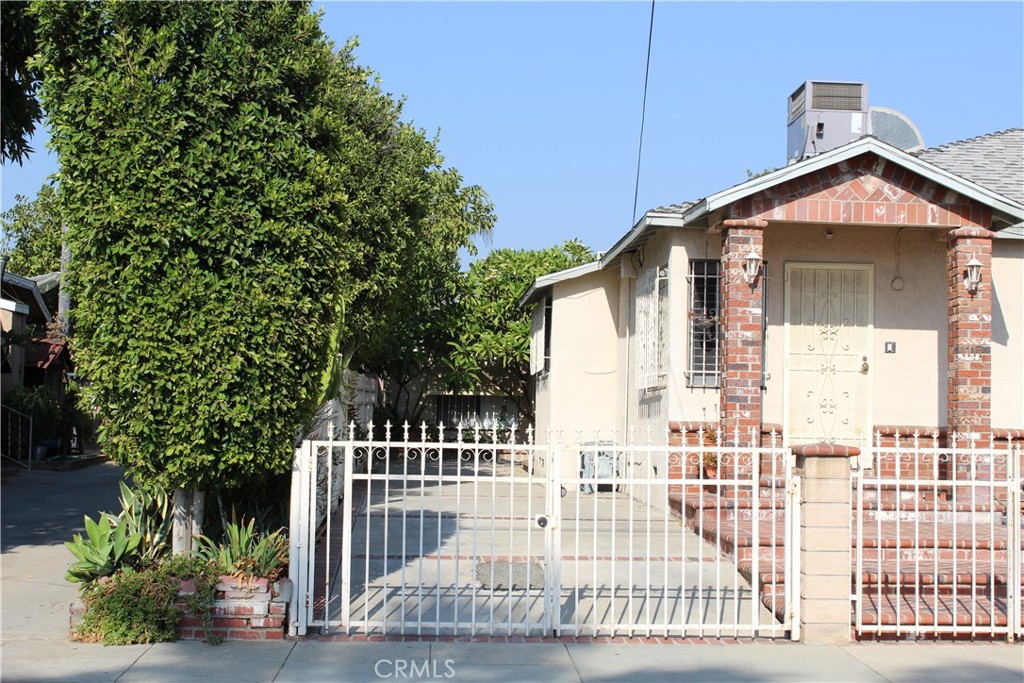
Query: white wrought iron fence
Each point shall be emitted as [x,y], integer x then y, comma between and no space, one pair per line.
[493,534]
[937,545]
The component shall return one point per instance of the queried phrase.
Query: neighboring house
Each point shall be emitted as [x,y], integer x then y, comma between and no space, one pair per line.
[862,290]
[22,310]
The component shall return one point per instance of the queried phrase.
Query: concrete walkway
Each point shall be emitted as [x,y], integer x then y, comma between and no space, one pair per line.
[310,661]
[40,510]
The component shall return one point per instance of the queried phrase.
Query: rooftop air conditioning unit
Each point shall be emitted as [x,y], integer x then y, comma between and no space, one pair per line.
[824,115]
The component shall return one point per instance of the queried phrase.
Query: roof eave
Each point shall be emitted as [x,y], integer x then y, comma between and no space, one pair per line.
[30,286]
[651,219]
[545,282]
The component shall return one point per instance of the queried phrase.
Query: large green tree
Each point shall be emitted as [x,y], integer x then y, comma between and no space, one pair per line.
[19,78]
[492,345]
[32,233]
[205,218]
[242,204]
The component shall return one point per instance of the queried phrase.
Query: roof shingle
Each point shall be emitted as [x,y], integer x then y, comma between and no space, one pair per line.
[995,161]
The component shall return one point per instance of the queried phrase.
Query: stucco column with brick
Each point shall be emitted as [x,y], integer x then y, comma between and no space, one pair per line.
[825,542]
[969,388]
[740,317]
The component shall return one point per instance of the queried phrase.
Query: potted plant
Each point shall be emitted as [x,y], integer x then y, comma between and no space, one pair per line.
[709,458]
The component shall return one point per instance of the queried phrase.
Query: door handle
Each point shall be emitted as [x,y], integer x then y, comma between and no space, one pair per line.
[864,365]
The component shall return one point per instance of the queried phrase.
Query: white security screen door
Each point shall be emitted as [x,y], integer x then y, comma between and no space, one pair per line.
[829,318]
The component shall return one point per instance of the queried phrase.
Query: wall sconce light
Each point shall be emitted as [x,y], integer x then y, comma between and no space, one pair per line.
[972,276]
[751,267]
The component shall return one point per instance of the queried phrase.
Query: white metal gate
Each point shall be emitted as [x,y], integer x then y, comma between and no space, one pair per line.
[488,534]
[938,539]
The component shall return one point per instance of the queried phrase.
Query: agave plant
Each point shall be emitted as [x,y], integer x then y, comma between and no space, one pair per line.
[105,547]
[147,512]
[246,552]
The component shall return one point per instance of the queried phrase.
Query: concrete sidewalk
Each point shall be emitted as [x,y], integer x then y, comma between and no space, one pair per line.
[310,661]
[40,510]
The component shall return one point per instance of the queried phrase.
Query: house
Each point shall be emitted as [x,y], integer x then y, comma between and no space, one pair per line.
[859,291]
[22,312]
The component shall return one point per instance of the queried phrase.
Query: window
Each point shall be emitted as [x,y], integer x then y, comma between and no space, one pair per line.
[652,328]
[548,307]
[705,349]
[704,353]
[540,337]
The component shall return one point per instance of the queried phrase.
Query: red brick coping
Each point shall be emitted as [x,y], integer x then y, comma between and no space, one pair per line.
[832,450]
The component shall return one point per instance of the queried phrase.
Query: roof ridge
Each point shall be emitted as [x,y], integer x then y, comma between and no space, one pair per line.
[947,145]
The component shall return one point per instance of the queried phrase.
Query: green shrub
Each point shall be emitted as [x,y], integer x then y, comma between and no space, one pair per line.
[131,607]
[139,606]
[106,546]
[246,552]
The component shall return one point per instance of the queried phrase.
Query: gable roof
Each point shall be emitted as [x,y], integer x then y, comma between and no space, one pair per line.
[995,161]
[1008,210]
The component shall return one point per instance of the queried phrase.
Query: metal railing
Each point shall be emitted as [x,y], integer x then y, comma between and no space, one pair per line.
[937,538]
[16,442]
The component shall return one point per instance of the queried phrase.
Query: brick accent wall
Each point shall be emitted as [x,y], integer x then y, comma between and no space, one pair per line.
[243,610]
[969,389]
[742,349]
[865,190]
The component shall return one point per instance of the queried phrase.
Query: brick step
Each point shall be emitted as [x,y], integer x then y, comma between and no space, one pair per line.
[926,575]
[737,542]
[915,504]
[771,572]
[944,610]
[963,557]
[713,507]
[907,516]
[899,535]
[909,494]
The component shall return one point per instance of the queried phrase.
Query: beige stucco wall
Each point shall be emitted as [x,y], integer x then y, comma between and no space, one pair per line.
[909,386]
[580,392]
[1008,333]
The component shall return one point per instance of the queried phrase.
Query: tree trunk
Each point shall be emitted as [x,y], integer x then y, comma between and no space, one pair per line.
[63,291]
[198,513]
[189,506]
[181,543]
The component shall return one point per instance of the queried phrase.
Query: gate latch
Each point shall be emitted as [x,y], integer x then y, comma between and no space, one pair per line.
[545,521]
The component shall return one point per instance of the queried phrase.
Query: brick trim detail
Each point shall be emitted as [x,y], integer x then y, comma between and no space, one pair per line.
[865,190]
[969,385]
[741,318]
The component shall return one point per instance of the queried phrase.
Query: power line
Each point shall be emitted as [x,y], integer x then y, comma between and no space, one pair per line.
[643,114]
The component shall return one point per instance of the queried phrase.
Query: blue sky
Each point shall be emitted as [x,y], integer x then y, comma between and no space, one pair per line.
[540,103]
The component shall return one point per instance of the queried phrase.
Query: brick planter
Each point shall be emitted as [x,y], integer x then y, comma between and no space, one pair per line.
[243,609]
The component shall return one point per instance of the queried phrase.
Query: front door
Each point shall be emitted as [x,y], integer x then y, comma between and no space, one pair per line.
[829,317]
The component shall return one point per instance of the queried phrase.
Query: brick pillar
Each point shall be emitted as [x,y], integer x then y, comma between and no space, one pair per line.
[969,387]
[740,315]
[825,542]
